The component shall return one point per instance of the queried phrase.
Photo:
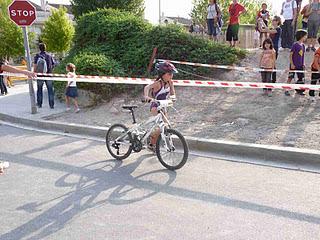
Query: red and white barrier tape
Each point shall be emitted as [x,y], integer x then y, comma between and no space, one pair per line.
[243,69]
[185,83]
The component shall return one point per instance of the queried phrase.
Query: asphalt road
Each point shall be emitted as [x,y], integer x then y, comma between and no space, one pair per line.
[60,187]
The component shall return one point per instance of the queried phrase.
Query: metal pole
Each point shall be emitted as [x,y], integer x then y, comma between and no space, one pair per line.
[159,12]
[31,90]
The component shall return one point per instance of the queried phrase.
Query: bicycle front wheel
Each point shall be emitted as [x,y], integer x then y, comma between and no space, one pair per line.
[119,142]
[172,149]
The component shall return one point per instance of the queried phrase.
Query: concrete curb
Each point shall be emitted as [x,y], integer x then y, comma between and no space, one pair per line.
[218,148]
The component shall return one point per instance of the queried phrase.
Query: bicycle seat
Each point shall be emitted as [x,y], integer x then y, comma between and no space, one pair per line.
[130,107]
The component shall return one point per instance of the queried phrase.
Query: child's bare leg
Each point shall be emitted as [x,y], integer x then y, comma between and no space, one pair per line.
[154,136]
[75,102]
[68,102]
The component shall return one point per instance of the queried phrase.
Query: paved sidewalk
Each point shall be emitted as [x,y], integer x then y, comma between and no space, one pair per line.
[17,103]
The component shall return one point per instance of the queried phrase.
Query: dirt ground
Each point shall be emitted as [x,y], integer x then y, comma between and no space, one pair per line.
[243,115]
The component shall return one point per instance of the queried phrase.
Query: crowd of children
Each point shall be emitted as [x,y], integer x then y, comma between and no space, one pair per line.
[270,51]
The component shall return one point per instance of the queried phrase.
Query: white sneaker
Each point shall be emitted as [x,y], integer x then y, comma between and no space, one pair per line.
[77,110]
[4,164]
[68,109]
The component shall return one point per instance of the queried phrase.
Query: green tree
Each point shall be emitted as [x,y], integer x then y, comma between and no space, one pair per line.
[79,7]
[199,11]
[11,37]
[58,31]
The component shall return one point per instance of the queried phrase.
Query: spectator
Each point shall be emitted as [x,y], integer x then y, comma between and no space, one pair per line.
[44,63]
[297,59]
[289,13]
[262,29]
[197,29]
[267,62]
[235,10]
[71,89]
[275,34]
[191,28]
[305,15]
[263,15]
[213,15]
[299,4]
[315,76]
[3,88]
[313,12]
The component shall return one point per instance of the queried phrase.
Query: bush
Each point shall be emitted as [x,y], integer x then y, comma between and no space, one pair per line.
[185,47]
[88,63]
[113,42]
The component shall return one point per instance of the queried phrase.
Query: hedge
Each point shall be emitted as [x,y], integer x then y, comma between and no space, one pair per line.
[119,43]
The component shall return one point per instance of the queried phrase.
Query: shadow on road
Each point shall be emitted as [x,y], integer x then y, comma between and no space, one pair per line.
[87,185]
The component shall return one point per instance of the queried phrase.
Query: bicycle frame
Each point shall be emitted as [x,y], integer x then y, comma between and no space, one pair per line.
[159,120]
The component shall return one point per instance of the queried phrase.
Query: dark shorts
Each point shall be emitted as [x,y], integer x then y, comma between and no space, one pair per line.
[315,77]
[72,92]
[300,75]
[212,27]
[233,32]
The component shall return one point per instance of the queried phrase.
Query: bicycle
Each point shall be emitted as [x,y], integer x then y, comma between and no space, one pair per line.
[121,141]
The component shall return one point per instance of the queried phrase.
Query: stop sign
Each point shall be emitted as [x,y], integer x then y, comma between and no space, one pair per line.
[22,13]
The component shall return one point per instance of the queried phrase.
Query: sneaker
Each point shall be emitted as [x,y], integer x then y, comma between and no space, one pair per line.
[287,93]
[3,165]
[39,106]
[68,109]
[52,107]
[77,110]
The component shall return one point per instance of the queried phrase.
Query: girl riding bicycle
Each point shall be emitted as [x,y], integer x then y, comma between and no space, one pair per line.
[161,89]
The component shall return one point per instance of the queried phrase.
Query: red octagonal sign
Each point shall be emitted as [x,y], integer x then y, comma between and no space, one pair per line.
[22,13]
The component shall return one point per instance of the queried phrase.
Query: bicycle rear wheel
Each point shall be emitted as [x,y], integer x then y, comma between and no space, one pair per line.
[172,151]
[119,142]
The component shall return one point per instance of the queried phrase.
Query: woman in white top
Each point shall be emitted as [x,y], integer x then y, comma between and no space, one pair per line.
[71,89]
[213,19]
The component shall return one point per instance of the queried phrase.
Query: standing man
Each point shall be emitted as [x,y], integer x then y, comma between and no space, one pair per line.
[289,13]
[235,10]
[313,11]
[44,63]
[7,68]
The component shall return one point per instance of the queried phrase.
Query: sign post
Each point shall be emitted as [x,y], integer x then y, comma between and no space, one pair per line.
[23,14]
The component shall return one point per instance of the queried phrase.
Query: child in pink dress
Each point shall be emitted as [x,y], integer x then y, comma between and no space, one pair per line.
[267,62]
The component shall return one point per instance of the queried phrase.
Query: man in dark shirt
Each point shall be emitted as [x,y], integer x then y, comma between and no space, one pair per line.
[47,69]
